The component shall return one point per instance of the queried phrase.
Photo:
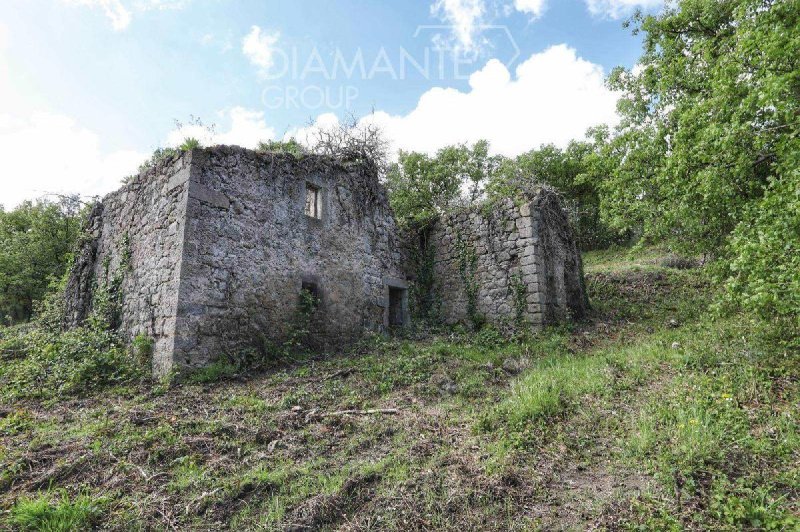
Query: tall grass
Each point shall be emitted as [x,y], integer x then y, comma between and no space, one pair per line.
[56,512]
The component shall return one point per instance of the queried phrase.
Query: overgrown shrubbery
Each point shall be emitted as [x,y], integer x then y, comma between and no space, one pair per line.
[40,363]
[422,187]
[40,360]
[706,154]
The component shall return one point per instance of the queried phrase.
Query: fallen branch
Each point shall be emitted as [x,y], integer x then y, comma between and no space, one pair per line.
[199,499]
[340,373]
[361,412]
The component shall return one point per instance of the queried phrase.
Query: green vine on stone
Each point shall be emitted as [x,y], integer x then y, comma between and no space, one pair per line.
[107,295]
[425,303]
[467,268]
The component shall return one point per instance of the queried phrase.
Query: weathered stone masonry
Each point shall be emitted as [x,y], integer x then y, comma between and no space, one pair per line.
[219,248]
[214,247]
[142,224]
[510,263]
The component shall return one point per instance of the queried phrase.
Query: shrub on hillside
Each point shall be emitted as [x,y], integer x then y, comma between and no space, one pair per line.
[39,363]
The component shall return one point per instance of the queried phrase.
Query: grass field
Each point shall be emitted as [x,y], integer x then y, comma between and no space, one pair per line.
[654,413]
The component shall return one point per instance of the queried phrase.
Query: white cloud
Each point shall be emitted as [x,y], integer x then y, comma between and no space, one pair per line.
[3,37]
[116,12]
[50,153]
[554,97]
[466,18]
[259,47]
[120,14]
[160,5]
[535,8]
[247,129]
[619,8]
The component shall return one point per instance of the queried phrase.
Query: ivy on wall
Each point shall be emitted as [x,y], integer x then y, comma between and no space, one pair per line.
[467,269]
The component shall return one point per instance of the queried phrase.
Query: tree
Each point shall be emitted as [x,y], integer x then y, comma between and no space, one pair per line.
[422,187]
[36,243]
[707,146]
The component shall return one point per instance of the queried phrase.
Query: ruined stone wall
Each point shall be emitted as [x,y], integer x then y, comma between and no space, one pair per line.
[213,248]
[515,263]
[136,235]
[249,247]
[558,260]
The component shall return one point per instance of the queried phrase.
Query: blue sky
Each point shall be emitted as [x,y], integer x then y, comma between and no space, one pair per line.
[98,84]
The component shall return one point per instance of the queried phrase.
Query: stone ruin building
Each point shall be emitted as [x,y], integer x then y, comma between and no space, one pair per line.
[211,250]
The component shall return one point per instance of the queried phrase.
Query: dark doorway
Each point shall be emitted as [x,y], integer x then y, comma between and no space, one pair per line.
[397,303]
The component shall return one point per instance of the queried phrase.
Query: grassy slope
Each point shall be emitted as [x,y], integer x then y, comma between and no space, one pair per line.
[648,415]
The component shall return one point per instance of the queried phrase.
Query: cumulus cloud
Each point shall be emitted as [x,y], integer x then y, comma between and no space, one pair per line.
[554,96]
[50,153]
[620,8]
[116,12]
[259,47]
[247,129]
[120,14]
[3,37]
[535,8]
[74,161]
[466,18]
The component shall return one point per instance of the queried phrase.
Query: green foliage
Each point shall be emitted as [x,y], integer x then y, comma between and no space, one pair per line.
[764,270]
[290,146]
[159,155]
[520,297]
[57,512]
[422,187]
[142,349]
[576,172]
[706,154]
[37,241]
[190,143]
[301,323]
[424,304]
[68,363]
[467,269]
[219,370]
[720,421]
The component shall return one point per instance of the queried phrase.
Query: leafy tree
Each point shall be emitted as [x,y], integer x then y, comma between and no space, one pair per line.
[707,147]
[421,187]
[703,118]
[36,243]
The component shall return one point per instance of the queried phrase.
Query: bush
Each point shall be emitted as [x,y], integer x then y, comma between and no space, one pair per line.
[64,363]
[764,273]
[290,146]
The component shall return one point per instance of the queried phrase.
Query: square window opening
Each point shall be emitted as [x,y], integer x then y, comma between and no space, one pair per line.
[313,202]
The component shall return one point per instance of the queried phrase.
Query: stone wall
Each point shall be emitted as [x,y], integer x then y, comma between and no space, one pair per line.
[249,248]
[136,235]
[558,260]
[508,264]
[213,249]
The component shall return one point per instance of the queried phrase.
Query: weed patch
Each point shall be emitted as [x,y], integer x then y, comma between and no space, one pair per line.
[56,512]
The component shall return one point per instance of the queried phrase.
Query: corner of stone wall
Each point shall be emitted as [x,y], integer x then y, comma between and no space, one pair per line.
[531,263]
[164,351]
[177,357]
[558,260]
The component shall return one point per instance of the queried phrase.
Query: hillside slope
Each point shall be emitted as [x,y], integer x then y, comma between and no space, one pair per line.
[650,414]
